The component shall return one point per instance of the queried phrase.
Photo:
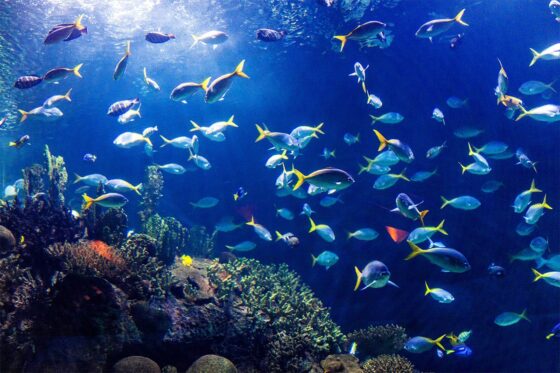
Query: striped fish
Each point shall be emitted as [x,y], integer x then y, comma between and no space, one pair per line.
[121,107]
[27,81]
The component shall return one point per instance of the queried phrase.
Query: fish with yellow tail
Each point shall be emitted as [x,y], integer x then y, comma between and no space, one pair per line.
[66,31]
[422,234]
[363,32]
[550,53]
[438,26]
[56,98]
[441,295]
[260,230]
[511,318]
[184,91]
[420,344]
[323,230]
[60,73]
[109,200]
[374,275]
[551,278]
[449,260]
[536,211]
[280,141]
[547,113]
[221,85]
[331,179]
[401,150]
[120,68]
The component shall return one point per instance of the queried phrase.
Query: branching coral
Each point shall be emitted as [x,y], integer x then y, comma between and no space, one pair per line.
[388,364]
[378,340]
[152,187]
[200,243]
[170,235]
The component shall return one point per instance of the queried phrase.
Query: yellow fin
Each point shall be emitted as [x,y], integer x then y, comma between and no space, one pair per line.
[358,278]
[300,178]
[76,70]
[415,251]
[428,290]
[342,39]
[239,70]
[382,140]
[458,18]
[204,84]
[536,56]
[440,229]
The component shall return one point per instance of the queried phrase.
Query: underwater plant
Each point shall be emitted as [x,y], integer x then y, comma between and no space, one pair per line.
[388,364]
[379,340]
[170,235]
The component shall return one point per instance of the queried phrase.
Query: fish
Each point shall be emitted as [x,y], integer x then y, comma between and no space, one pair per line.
[326,259]
[374,101]
[539,244]
[374,275]
[490,148]
[555,331]
[496,270]
[547,113]
[260,230]
[553,262]
[360,73]
[220,126]
[524,255]
[242,246]
[56,98]
[353,348]
[401,150]
[422,234]
[438,26]
[88,157]
[455,102]
[387,118]
[219,87]
[301,132]
[172,168]
[270,35]
[200,161]
[388,180]
[213,38]
[386,158]
[437,114]
[109,200]
[27,81]
[536,211]
[185,91]
[434,151]
[328,201]
[130,115]
[551,278]
[120,107]
[323,230]
[2,121]
[60,73]
[363,234]
[64,31]
[279,140]
[536,87]
[420,344]
[239,194]
[449,260]
[120,185]
[152,84]
[363,32]
[524,229]
[460,350]
[554,6]
[548,54]
[374,169]
[407,208]
[306,210]
[186,260]
[475,168]
[127,140]
[461,203]
[421,176]
[20,142]
[157,37]
[91,180]
[331,179]
[510,318]
[491,186]
[441,295]
[181,142]
[327,153]
[42,114]
[285,213]
[467,132]
[350,139]
[120,68]
[149,131]
[205,203]
[226,224]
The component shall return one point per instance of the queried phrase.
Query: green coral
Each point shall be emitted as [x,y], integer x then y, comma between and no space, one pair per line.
[290,326]
[152,187]
[379,340]
[58,176]
[388,364]
[170,235]
[201,244]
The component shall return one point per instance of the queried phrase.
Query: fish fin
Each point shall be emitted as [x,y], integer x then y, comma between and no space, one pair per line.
[463,168]
[145,75]
[300,178]
[251,222]
[402,175]
[415,251]
[533,188]
[428,290]
[262,133]
[349,235]
[230,247]
[545,204]
[318,128]
[353,74]
[364,87]
[230,122]
[458,18]
[283,155]
[373,119]
[23,115]
[423,215]
[523,315]
[440,229]
[78,23]
[362,169]
[382,140]
[77,178]
[278,236]
[397,235]
[549,336]
[137,189]
[393,284]
[196,40]
[342,39]
[313,260]
[537,274]
[165,141]
[445,202]
[148,141]
[67,95]
[76,70]
[524,113]
[358,278]
[437,341]
[239,70]
[536,56]
[204,84]
[313,227]
[88,201]
[127,53]
[196,127]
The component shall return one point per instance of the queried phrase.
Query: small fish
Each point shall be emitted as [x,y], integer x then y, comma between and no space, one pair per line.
[363,32]
[119,185]
[461,203]
[130,115]
[152,84]
[92,180]
[554,7]
[510,102]
[422,344]
[88,157]
[547,113]
[364,234]
[401,150]
[200,161]
[433,152]
[149,131]
[211,38]
[181,142]
[388,180]
[226,224]
[449,260]
[242,246]
[326,259]
[56,98]
[260,230]
[27,81]
[491,148]
[456,102]
[386,158]
[42,114]
[374,101]
[441,295]
[422,234]
[525,255]
[185,91]
[120,68]
[353,348]
[374,169]
[239,194]
[328,201]
[127,140]
[539,244]
[109,200]
[285,213]
[374,275]
[555,331]
[535,87]
[19,142]
[186,260]
[64,31]
[205,203]
[475,168]
[270,35]
[276,160]
[388,118]
[360,73]
[350,139]
[221,85]
[120,107]
[421,176]
[157,37]
[550,53]
[491,186]
[279,140]
[301,132]
[437,114]
[551,278]
[407,208]
[439,26]
[510,318]
[323,230]
[332,179]
[60,73]
[467,132]
[327,153]
[172,168]
[496,270]
[456,40]
[536,211]
[306,210]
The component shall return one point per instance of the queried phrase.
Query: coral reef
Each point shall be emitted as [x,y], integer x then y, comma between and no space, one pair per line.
[58,177]
[136,364]
[33,180]
[212,363]
[7,239]
[378,340]
[341,364]
[170,235]
[201,244]
[388,364]
[152,187]
[110,227]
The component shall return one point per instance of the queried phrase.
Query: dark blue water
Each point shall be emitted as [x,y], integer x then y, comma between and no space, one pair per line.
[304,80]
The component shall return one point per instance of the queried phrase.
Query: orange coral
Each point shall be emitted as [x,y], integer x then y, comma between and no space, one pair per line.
[105,251]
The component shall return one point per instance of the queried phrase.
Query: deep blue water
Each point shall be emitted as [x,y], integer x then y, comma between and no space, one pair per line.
[304,80]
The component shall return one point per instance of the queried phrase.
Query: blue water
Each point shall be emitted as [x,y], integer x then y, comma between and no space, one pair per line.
[304,80]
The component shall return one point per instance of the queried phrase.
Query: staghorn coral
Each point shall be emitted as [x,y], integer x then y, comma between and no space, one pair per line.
[201,244]
[152,187]
[58,177]
[388,364]
[378,340]
[170,235]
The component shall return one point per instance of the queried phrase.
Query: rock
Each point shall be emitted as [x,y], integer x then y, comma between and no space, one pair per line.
[7,239]
[212,364]
[341,363]
[136,364]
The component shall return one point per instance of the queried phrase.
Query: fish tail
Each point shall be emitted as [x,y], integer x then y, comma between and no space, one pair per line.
[76,70]
[300,178]
[428,290]
[415,251]
[362,169]
[204,84]
[283,155]
[313,227]
[437,342]
[88,201]
[318,128]
[549,336]
[195,38]
[546,205]
[166,141]
[440,229]
[349,235]
[230,122]
[445,202]
[402,175]
[251,222]
[537,274]
[524,113]
[67,95]
[342,39]
[77,179]
[463,168]
[458,18]
[533,188]
[333,154]
[278,236]
[382,140]
[239,70]
[128,48]
[313,260]
[358,278]
[196,127]
[12,144]
[78,23]
[536,56]
[262,133]
[358,137]
[138,111]
[471,152]
[23,115]
[147,139]
[540,262]
[373,119]
[523,315]
[137,189]
[550,85]
[423,215]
